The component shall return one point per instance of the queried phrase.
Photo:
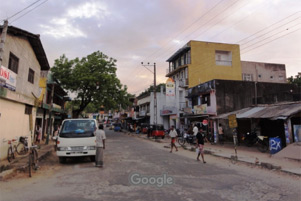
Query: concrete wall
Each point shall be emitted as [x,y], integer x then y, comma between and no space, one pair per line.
[203,66]
[264,72]
[13,123]
[235,95]
[22,49]
[13,120]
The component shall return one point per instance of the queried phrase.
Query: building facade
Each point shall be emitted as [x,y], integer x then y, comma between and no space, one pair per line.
[198,62]
[23,60]
[263,72]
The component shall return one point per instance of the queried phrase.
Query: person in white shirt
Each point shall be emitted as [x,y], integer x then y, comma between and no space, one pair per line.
[173,134]
[195,130]
[100,145]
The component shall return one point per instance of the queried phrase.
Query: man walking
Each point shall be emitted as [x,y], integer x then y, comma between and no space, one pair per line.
[200,145]
[100,146]
[173,134]
[220,134]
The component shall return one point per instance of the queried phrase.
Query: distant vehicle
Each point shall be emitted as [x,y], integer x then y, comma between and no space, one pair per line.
[144,127]
[117,127]
[157,131]
[76,138]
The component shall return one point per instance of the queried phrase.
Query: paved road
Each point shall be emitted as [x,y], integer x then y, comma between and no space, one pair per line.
[126,156]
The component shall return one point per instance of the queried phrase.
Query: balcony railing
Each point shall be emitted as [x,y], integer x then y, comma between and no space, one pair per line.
[183,83]
[182,105]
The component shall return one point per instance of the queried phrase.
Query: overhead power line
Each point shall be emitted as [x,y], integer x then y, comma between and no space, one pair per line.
[286,29]
[186,28]
[271,40]
[267,27]
[29,11]
[23,9]
[199,27]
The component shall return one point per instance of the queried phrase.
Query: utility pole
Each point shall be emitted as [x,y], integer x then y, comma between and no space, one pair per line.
[3,37]
[155,92]
[50,113]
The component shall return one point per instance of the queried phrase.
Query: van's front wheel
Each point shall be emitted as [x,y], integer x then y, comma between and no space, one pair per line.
[62,159]
[92,158]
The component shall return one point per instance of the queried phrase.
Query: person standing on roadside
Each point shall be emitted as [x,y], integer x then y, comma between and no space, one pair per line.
[100,145]
[173,134]
[200,145]
[195,130]
[220,134]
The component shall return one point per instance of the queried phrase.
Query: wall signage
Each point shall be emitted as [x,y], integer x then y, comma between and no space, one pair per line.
[8,78]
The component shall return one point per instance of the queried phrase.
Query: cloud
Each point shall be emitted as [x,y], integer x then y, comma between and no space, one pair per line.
[62,29]
[70,24]
[89,10]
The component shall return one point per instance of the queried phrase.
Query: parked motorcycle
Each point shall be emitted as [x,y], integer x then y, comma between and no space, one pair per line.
[252,138]
[186,138]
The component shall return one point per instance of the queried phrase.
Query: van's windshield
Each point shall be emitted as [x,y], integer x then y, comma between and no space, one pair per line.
[78,128]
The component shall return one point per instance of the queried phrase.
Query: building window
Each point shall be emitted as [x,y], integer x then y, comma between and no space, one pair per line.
[223,58]
[206,99]
[247,77]
[281,77]
[195,101]
[28,109]
[271,77]
[31,76]
[259,76]
[182,60]
[13,63]
[188,58]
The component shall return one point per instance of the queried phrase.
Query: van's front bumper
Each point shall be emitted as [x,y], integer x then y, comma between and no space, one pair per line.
[75,151]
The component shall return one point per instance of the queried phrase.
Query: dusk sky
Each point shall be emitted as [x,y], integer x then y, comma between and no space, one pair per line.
[135,31]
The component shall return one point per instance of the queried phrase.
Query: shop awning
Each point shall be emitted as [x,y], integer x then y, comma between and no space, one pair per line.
[273,112]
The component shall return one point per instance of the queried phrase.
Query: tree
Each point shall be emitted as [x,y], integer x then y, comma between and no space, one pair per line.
[93,80]
[295,80]
[151,89]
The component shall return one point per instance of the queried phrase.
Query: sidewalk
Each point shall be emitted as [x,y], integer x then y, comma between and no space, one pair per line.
[20,163]
[281,161]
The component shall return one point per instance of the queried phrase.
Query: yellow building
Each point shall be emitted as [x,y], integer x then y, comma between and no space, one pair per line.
[198,62]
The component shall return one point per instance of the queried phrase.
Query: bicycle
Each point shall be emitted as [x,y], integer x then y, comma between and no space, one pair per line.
[11,150]
[32,159]
[22,147]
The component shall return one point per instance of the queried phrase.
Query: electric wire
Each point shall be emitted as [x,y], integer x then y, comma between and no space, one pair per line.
[238,42]
[186,28]
[225,9]
[268,37]
[272,40]
[23,9]
[198,28]
[240,21]
[29,11]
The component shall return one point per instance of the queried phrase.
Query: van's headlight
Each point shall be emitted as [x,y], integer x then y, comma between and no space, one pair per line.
[64,148]
[89,148]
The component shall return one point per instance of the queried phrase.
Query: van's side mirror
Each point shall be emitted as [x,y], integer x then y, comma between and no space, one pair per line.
[54,138]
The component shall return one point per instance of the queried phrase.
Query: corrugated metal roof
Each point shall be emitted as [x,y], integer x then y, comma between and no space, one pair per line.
[277,111]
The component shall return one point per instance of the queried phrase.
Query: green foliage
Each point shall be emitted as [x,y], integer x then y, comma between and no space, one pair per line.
[295,80]
[151,89]
[93,79]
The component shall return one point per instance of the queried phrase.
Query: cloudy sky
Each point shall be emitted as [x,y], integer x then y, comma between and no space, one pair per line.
[135,31]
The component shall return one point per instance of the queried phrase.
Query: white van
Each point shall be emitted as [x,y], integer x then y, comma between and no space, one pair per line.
[76,138]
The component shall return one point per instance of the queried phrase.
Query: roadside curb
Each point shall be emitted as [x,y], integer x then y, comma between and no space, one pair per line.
[6,174]
[264,165]
[232,158]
